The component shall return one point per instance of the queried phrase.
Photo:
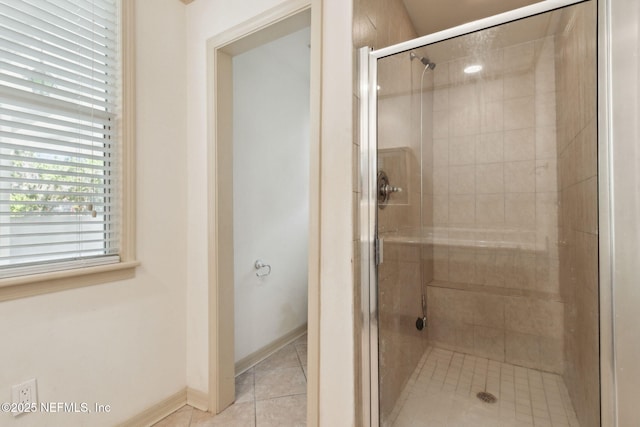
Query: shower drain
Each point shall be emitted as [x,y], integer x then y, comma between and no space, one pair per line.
[486,397]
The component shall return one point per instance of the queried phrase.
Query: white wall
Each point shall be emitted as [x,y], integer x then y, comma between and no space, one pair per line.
[336,281]
[121,344]
[270,190]
[624,48]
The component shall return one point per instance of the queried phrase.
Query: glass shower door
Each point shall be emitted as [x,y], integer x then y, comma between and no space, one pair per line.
[487,289]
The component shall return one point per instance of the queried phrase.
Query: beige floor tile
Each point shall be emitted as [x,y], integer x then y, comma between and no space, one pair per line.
[301,340]
[287,357]
[302,353]
[280,382]
[180,418]
[290,411]
[245,387]
[236,415]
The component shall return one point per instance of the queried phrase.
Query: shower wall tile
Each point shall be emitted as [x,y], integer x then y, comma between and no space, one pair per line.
[441,75]
[519,113]
[519,57]
[489,148]
[462,179]
[440,124]
[546,175]
[489,311]
[546,110]
[490,268]
[462,265]
[440,152]
[440,99]
[522,349]
[489,178]
[490,209]
[462,150]
[491,89]
[519,145]
[463,96]
[440,180]
[518,85]
[519,177]
[464,121]
[520,210]
[546,210]
[492,117]
[462,209]
[489,342]
[535,317]
[547,274]
[546,142]
[440,209]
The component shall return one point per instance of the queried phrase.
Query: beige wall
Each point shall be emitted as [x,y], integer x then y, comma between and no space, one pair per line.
[577,151]
[123,343]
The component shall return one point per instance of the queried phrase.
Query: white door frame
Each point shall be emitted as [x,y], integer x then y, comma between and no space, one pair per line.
[265,27]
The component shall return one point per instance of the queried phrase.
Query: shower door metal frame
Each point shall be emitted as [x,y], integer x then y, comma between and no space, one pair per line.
[368,203]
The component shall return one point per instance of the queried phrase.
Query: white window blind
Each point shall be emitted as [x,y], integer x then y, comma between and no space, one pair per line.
[59,163]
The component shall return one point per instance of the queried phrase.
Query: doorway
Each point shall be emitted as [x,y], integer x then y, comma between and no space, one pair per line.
[263,237]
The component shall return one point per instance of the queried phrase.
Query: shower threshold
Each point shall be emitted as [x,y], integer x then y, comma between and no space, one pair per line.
[443,389]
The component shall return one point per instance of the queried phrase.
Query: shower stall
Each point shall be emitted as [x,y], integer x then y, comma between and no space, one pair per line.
[480,222]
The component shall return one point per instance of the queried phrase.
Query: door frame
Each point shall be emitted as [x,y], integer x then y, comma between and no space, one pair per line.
[368,160]
[265,27]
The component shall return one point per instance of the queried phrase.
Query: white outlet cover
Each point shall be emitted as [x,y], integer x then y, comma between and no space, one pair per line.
[29,387]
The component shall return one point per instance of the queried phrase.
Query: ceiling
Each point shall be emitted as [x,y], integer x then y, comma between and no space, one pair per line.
[430,16]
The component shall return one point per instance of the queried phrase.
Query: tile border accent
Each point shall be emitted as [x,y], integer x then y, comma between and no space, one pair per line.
[158,411]
[259,355]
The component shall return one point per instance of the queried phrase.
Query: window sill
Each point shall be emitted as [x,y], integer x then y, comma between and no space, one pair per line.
[37,284]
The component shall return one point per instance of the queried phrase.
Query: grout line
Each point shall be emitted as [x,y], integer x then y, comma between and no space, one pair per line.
[255,404]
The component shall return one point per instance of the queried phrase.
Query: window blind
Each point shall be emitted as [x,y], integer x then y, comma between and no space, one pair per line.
[59,160]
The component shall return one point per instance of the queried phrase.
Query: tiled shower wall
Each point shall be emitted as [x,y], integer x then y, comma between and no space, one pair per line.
[577,150]
[495,291]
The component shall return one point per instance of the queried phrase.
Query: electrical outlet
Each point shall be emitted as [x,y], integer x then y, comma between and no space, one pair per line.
[24,396]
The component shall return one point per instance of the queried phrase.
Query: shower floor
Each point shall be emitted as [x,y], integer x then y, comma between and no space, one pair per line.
[442,392]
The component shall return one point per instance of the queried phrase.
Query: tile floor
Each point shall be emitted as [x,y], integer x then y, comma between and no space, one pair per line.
[272,393]
[442,393]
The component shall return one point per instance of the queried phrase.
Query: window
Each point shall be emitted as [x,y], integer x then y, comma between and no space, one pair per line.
[61,140]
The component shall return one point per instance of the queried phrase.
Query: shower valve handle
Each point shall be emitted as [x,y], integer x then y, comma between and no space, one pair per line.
[388,189]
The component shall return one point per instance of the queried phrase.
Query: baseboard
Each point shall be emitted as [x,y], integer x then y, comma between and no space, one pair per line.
[158,411]
[266,351]
[197,399]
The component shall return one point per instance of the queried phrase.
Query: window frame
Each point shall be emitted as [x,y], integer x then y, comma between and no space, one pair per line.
[41,283]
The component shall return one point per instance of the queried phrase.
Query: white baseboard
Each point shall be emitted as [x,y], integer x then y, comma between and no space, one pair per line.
[266,351]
